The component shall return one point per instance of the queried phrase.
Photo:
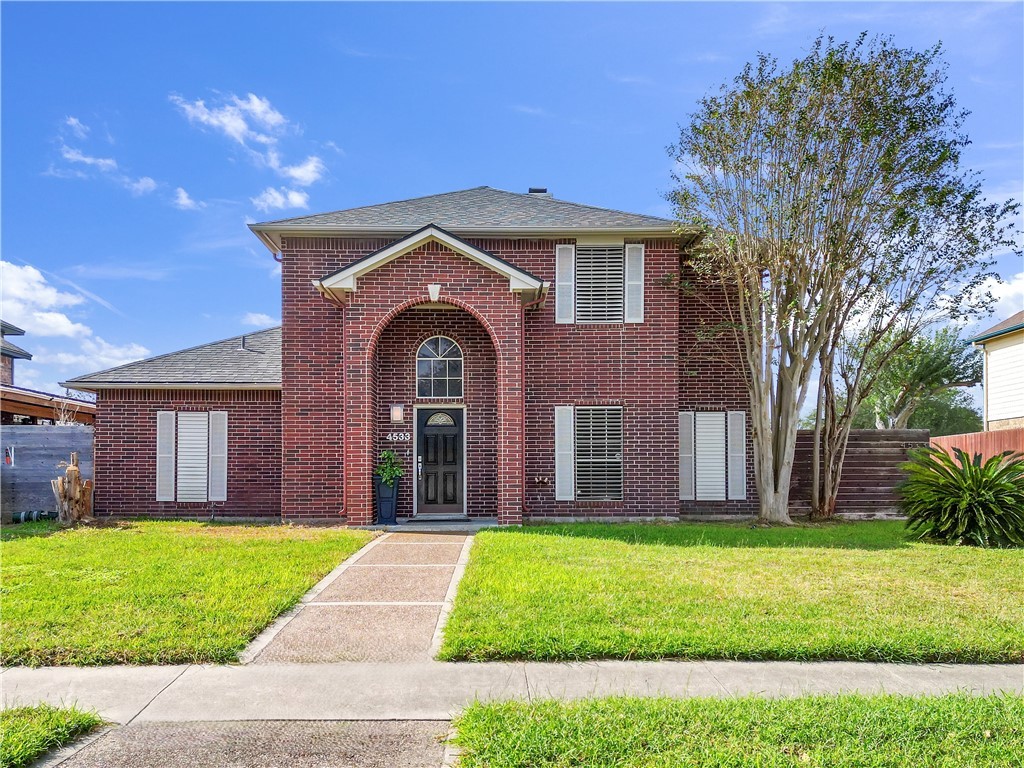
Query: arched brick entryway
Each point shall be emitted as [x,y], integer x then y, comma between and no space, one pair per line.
[395,384]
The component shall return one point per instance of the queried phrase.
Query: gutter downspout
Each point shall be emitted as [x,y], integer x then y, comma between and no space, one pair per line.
[522,390]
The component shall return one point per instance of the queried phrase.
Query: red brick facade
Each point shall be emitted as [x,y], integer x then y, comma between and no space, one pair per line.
[125,451]
[308,454]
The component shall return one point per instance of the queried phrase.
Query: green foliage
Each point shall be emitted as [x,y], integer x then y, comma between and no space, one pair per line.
[28,732]
[839,591]
[921,368]
[389,468]
[960,499]
[847,731]
[947,412]
[154,592]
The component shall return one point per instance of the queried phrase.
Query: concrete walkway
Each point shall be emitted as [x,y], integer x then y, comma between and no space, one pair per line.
[386,603]
[436,691]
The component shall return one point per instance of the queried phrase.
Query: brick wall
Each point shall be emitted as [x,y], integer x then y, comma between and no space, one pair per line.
[711,374]
[125,451]
[6,370]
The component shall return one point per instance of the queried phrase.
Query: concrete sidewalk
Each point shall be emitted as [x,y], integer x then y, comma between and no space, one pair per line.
[436,691]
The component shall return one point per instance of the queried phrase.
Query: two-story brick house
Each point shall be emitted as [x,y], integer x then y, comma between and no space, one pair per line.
[527,358]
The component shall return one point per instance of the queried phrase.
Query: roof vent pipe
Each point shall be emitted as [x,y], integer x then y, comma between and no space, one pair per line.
[241,342]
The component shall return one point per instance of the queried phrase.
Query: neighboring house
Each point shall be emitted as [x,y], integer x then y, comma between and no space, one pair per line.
[527,358]
[9,352]
[29,406]
[1003,382]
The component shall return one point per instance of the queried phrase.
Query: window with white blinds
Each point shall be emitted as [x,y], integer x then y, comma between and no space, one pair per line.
[599,284]
[588,453]
[191,456]
[712,455]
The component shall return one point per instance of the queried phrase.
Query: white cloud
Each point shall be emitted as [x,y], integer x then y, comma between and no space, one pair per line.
[31,303]
[259,319]
[183,201]
[232,118]
[93,354]
[303,174]
[76,126]
[77,156]
[1009,296]
[142,186]
[276,199]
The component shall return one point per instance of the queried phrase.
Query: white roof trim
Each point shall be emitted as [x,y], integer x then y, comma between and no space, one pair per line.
[86,386]
[347,279]
[270,235]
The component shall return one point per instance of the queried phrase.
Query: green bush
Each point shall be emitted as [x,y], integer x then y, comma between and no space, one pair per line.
[962,500]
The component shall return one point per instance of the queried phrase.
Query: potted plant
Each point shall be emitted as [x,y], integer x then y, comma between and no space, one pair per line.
[385,485]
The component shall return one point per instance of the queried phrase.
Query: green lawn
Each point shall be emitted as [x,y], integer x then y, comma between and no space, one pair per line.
[861,731]
[28,732]
[857,591]
[154,592]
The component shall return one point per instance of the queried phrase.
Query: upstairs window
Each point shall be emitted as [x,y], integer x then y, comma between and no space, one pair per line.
[599,284]
[439,368]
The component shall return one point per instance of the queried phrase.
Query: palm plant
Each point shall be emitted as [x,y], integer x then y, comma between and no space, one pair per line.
[960,499]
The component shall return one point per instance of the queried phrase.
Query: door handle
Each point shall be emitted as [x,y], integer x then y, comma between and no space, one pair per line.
[419,467]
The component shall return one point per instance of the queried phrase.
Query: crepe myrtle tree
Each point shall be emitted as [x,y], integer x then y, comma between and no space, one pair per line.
[832,209]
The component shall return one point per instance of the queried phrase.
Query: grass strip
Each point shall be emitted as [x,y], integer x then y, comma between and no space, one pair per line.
[28,732]
[827,731]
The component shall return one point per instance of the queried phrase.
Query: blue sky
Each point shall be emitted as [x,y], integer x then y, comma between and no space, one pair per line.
[138,139]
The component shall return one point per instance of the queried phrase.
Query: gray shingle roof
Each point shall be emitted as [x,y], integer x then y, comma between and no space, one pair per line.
[222,363]
[477,208]
[10,330]
[7,349]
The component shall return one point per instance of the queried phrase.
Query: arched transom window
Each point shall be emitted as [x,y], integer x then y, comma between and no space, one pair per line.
[439,368]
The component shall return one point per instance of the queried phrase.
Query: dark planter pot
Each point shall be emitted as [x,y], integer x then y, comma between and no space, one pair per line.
[387,501]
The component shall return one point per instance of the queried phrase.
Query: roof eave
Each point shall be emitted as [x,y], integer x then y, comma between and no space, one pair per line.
[996,334]
[270,236]
[95,386]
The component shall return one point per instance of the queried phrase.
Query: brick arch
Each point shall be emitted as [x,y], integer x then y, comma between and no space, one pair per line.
[371,350]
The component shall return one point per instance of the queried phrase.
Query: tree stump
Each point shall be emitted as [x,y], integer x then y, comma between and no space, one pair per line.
[73,495]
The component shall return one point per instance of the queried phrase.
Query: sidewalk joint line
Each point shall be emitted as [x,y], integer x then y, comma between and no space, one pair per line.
[714,677]
[157,694]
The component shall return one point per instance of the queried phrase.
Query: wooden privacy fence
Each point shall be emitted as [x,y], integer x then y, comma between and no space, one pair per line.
[35,453]
[870,473]
[986,443]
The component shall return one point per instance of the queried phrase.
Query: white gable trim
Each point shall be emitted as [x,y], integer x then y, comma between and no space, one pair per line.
[347,280]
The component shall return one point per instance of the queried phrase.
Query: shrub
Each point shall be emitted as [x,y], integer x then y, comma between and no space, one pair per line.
[962,500]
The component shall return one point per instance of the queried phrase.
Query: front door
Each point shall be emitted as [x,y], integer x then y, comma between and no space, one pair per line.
[439,461]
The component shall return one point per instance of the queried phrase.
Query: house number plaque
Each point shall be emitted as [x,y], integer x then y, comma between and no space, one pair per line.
[398,437]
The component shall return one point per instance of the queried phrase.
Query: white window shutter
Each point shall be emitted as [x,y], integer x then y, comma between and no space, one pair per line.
[737,454]
[193,455]
[218,456]
[634,283]
[564,455]
[686,456]
[709,456]
[565,283]
[165,456]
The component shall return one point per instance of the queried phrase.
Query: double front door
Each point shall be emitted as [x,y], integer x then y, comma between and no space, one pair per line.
[440,461]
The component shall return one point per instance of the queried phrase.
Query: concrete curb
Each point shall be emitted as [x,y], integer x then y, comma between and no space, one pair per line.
[264,638]
[54,758]
[449,598]
[452,753]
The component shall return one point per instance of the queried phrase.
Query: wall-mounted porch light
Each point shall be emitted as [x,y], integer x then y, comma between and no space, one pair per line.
[397,413]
